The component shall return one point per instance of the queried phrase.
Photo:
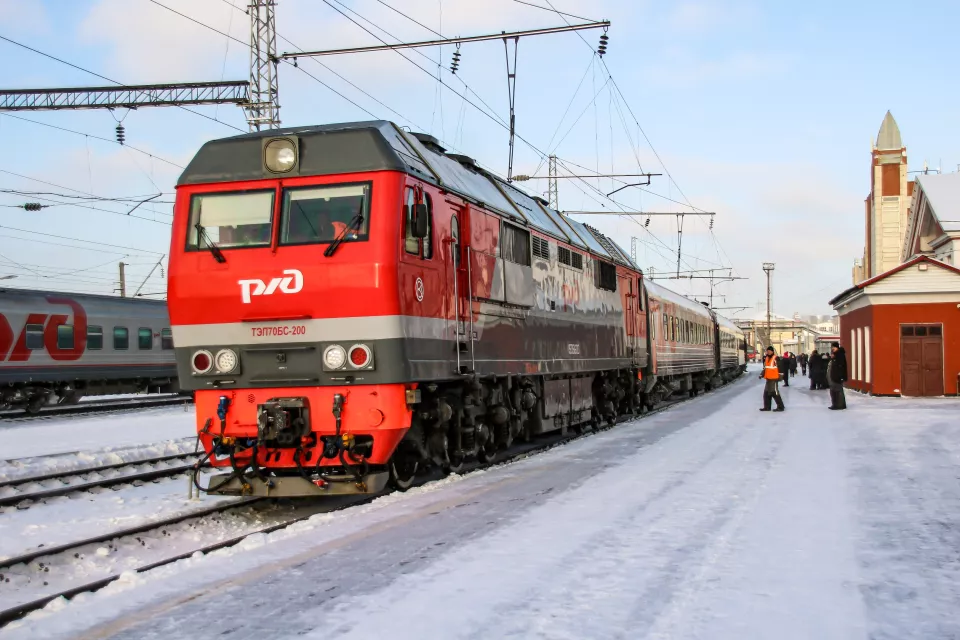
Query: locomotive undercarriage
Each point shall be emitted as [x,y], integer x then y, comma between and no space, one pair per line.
[32,397]
[452,423]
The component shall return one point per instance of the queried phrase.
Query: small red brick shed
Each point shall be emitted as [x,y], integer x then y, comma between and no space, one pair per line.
[901,330]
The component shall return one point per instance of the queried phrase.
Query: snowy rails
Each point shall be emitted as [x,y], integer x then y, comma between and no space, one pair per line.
[147,475]
[93,407]
[22,609]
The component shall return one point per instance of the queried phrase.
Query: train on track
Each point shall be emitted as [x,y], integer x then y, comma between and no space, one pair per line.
[57,347]
[352,305]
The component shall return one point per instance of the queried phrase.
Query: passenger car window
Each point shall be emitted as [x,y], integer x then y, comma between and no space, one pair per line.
[230,220]
[166,339]
[65,336]
[121,338]
[145,338]
[34,336]
[94,337]
[319,215]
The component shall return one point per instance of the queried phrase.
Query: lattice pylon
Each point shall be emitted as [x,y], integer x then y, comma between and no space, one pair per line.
[263,111]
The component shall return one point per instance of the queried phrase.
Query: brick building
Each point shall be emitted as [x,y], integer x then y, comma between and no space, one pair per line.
[901,330]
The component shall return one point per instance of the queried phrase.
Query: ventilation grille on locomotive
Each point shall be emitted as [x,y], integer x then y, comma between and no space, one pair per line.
[541,248]
[570,258]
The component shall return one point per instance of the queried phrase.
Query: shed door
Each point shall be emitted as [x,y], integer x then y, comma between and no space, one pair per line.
[921,360]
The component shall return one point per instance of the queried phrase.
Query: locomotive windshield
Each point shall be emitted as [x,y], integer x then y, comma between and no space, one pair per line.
[318,215]
[230,220]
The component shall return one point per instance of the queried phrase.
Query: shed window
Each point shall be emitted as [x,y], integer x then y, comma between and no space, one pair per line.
[920,331]
[94,337]
[121,338]
[605,276]
[145,338]
[34,336]
[65,336]
[515,244]
[906,330]
[935,331]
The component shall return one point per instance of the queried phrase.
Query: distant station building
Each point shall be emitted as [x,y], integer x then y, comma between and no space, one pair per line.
[901,330]
[785,334]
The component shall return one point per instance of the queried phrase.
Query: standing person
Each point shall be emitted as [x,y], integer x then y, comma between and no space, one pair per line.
[793,364]
[771,380]
[803,363]
[784,363]
[837,375]
[815,362]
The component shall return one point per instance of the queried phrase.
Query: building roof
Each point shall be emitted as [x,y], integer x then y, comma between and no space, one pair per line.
[886,274]
[889,136]
[943,193]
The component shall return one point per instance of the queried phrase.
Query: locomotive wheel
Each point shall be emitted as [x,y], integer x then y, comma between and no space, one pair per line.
[33,407]
[454,466]
[403,471]
[487,454]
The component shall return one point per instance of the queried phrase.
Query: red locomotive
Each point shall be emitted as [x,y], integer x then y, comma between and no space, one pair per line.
[352,304]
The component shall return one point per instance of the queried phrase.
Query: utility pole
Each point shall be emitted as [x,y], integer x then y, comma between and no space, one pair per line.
[264,107]
[768,268]
[123,280]
[553,194]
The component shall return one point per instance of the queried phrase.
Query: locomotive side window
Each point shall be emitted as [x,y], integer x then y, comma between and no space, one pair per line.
[605,276]
[515,244]
[121,338]
[413,245]
[455,236]
[145,338]
[319,215]
[34,336]
[65,336]
[94,337]
[166,339]
[230,220]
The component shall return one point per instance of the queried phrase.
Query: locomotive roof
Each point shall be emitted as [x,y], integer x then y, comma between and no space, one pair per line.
[380,145]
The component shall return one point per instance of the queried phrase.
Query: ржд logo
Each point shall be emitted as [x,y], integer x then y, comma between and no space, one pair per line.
[291,283]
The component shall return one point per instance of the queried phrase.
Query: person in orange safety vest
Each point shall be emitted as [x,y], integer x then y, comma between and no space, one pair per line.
[771,378]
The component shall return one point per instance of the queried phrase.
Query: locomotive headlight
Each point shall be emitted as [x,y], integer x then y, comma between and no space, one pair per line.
[334,357]
[226,360]
[280,155]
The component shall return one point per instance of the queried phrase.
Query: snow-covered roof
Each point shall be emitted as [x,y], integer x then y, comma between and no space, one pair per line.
[846,294]
[943,193]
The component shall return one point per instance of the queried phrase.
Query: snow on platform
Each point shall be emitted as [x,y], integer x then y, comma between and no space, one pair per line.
[711,520]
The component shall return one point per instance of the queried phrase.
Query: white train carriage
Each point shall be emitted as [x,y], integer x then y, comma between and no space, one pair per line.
[56,347]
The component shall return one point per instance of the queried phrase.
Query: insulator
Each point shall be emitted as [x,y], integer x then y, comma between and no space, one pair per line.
[456,62]
[120,134]
[32,206]
[711,222]
[647,223]
[602,49]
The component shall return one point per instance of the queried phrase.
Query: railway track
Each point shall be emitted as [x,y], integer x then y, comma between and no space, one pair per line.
[87,408]
[322,506]
[12,492]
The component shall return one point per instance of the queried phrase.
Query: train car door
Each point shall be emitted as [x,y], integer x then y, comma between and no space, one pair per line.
[629,300]
[458,300]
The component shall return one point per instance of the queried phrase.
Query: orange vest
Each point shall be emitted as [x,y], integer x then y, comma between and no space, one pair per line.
[770,369]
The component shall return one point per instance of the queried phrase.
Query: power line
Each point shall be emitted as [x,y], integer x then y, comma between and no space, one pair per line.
[90,135]
[101,244]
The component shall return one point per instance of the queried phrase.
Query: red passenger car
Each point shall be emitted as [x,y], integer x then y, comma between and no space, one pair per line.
[353,304]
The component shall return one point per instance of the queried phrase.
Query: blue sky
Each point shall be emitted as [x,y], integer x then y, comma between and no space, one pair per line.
[763,112]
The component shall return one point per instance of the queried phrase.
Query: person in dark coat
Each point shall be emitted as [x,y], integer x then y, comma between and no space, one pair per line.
[836,376]
[815,362]
[793,364]
[784,363]
[802,359]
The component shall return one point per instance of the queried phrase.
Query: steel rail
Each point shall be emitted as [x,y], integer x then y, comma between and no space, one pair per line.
[56,475]
[18,611]
[14,415]
[152,474]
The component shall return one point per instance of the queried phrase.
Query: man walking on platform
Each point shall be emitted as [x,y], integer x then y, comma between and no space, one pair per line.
[784,363]
[802,358]
[771,378]
[836,376]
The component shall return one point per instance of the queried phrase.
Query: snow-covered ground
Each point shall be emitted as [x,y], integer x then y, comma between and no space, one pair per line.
[711,520]
[67,443]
